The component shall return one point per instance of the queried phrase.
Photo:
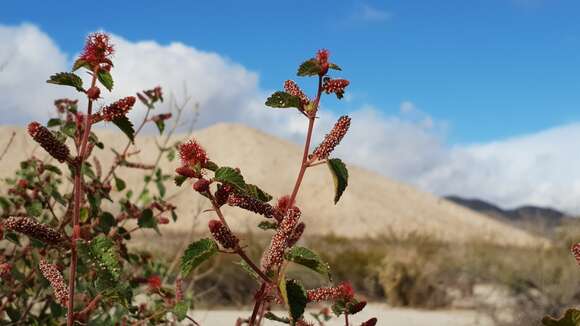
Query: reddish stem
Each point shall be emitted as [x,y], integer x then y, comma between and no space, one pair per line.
[77,205]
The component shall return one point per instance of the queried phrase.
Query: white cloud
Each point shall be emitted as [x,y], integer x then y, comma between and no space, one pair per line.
[539,169]
[368,13]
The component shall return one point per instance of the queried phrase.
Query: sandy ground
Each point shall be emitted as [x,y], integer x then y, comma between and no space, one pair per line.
[387,316]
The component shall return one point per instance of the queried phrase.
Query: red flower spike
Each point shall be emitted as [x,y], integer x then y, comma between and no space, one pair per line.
[222,194]
[296,235]
[54,277]
[33,229]
[178,289]
[332,139]
[98,50]
[117,109]
[336,86]
[223,235]
[292,88]
[154,282]
[342,291]
[275,254]
[48,141]
[254,205]
[576,252]
[322,58]
[192,153]
[284,204]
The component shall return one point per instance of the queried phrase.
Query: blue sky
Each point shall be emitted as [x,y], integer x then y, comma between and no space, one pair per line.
[490,69]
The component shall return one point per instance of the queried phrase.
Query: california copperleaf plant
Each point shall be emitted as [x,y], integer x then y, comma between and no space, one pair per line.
[223,185]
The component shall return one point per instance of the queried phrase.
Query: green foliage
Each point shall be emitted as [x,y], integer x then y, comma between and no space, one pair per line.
[126,127]
[283,100]
[103,255]
[180,309]
[230,176]
[196,253]
[105,79]
[257,193]
[268,225]
[248,270]
[67,79]
[339,176]
[309,67]
[296,299]
[160,124]
[308,258]
[570,318]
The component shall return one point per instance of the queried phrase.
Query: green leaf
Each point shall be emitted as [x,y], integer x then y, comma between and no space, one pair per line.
[271,316]
[106,221]
[54,122]
[230,176]
[211,166]
[339,175]
[160,125]
[179,180]
[308,258]
[69,129]
[197,253]
[67,79]
[338,307]
[79,64]
[84,215]
[34,208]
[248,270]
[180,309]
[267,225]
[126,127]
[309,68]
[147,220]
[102,253]
[257,193]
[334,66]
[570,318]
[105,79]
[119,183]
[283,100]
[297,299]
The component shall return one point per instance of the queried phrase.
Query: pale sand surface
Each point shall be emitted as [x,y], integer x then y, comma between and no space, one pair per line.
[372,205]
[387,316]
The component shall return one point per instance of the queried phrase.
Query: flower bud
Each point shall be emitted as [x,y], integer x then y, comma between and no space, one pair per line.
[201,185]
[48,142]
[117,109]
[292,88]
[222,234]
[186,172]
[192,153]
[222,194]
[342,291]
[275,254]
[93,93]
[322,58]
[154,282]
[336,86]
[254,205]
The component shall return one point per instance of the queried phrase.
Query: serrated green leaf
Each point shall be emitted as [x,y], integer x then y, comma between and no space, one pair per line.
[102,253]
[197,253]
[570,318]
[267,225]
[309,68]
[271,316]
[126,127]
[105,79]
[257,193]
[69,129]
[54,122]
[308,258]
[230,176]
[297,299]
[340,177]
[67,79]
[334,66]
[283,100]
[180,309]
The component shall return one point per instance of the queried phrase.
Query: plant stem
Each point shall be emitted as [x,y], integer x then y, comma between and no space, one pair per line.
[346,318]
[77,205]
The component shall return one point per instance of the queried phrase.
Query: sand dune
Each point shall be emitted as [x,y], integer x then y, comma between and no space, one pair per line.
[372,205]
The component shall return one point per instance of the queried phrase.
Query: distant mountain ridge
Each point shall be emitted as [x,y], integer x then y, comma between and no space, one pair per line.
[528,217]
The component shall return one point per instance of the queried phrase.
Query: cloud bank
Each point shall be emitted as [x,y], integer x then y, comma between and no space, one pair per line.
[540,169]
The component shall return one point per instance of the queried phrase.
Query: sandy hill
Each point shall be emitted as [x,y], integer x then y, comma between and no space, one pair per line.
[372,204]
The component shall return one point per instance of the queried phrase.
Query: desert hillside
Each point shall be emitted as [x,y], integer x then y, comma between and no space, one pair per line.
[372,205]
